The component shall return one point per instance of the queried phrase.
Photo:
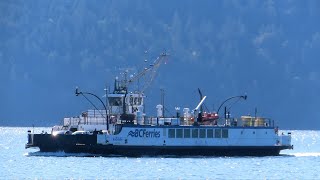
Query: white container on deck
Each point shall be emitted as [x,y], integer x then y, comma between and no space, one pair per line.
[159,110]
[139,117]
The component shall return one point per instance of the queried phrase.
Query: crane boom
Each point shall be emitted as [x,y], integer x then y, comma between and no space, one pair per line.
[153,68]
[202,100]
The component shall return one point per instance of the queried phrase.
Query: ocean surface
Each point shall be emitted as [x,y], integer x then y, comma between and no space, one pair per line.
[16,162]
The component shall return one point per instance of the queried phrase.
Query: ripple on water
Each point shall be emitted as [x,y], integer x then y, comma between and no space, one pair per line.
[20,163]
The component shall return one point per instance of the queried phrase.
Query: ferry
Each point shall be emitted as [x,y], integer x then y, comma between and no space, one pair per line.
[122,128]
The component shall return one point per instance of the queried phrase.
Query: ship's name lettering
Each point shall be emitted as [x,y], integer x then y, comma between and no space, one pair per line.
[144,133]
[117,139]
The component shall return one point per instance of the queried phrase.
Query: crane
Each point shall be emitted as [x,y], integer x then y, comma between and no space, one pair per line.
[152,69]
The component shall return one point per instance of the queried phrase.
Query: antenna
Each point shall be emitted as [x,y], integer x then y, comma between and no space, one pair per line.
[162,100]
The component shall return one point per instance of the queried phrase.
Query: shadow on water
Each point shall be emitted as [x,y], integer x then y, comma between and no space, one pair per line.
[286,155]
[59,154]
[63,154]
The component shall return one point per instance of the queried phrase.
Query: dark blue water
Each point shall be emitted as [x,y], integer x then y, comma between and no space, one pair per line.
[16,162]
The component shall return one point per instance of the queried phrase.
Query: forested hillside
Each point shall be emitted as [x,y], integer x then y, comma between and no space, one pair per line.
[268,50]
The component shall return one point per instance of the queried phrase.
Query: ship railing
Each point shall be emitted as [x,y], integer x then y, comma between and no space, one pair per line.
[58,128]
[73,121]
[96,113]
[161,121]
[246,121]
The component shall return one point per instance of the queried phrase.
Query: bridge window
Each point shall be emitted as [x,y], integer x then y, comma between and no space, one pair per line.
[217,133]
[179,133]
[202,133]
[115,101]
[131,101]
[139,101]
[171,133]
[186,133]
[195,133]
[210,133]
[225,133]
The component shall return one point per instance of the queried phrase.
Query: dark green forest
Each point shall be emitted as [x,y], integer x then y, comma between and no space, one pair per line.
[268,50]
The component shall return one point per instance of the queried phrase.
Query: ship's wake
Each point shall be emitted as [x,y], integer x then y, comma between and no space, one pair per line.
[307,154]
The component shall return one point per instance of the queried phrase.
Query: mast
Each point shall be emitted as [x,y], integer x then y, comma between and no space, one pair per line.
[162,100]
[201,108]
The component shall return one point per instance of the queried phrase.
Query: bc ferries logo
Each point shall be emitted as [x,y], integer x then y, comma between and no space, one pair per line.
[144,133]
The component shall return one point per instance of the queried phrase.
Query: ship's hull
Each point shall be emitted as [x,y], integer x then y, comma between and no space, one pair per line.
[88,144]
